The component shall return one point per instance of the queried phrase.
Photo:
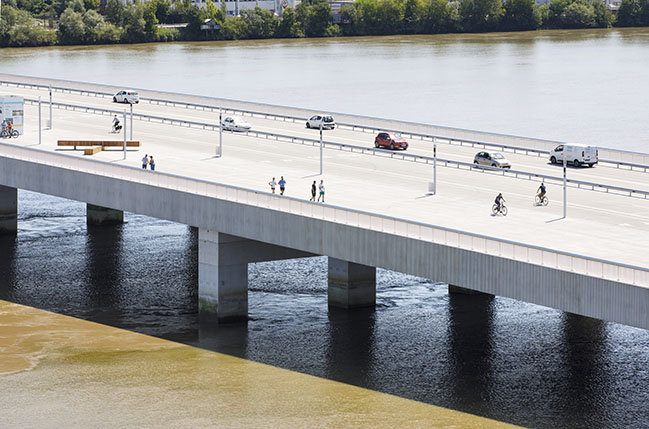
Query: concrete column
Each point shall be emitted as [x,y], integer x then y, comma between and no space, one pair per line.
[222,278]
[8,210]
[97,215]
[351,285]
[464,291]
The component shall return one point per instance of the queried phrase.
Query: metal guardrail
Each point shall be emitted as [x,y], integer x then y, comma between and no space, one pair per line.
[537,255]
[580,184]
[354,127]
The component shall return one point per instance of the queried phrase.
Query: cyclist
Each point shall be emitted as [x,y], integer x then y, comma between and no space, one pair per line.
[541,192]
[116,126]
[499,200]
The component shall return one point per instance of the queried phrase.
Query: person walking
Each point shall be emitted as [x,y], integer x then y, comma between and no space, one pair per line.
[272,185]
[322,191]
[152,163]
[9,128]
[282,185]
[313,189]
[145,161]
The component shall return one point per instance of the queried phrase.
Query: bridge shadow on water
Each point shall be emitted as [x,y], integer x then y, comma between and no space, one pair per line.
[484,355]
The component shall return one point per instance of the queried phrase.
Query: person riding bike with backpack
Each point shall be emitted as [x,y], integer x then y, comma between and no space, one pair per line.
[499,200]
[541,192]
[116,125]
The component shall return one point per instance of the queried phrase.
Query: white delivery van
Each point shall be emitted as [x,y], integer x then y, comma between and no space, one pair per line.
[575,154]
[12,110]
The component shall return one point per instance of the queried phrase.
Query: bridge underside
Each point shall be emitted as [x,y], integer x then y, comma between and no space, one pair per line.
[223,276]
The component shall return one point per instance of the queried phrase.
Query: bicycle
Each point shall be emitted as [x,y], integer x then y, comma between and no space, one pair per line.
[502,209]
[116,128]
[541,202]
[5,133]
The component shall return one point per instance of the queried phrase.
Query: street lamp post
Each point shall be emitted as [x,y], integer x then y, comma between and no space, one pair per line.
[220,153]
[50,123]
[565,187]
[124,147]
[131,124]
[321,148]
[39,120]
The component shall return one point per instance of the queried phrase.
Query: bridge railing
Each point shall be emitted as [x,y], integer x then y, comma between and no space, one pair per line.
[504,142]
[521,252]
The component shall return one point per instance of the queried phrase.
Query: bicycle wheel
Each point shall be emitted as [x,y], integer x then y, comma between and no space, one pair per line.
[14,133]
[503,210]
[545,201]
[494,209]
[537,200]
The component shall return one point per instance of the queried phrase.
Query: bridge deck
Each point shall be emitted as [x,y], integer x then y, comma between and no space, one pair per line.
[599,225]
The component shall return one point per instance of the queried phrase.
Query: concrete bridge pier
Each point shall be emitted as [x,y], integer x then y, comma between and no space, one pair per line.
[223,273]
[351,285]
[8,210]
[464,291]
[97,215]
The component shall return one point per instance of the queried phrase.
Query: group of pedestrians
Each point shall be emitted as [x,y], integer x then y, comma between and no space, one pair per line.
[148,161]
[282,188]
[7,128]
[282,185]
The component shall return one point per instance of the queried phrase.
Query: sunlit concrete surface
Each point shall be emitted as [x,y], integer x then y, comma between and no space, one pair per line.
[598,225]
[58,371]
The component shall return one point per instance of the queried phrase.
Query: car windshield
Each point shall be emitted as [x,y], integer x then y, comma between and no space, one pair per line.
[396,136]
[328,119]
[498,156]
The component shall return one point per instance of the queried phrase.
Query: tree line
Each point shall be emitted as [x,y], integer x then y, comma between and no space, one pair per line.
[71,22]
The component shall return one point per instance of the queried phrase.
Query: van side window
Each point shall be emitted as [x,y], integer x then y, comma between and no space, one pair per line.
[559,148]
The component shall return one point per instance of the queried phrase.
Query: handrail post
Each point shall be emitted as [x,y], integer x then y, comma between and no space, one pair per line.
[50,123]
[220,152]
[565,187]
[321,148]
[124,148]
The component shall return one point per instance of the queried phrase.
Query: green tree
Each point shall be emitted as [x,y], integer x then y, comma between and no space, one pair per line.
[414,16]
[481,15]
[71,27]
[234,28]
[115,12]
[578,15]
[628,15]
[520,15]
[391,15]
[289,26]
[603,16]
[260,23]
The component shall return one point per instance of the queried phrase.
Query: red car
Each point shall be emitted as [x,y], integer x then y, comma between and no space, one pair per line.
[391,140]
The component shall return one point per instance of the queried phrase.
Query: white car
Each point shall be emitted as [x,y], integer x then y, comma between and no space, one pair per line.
[327,122]
[235,123]
[126,96]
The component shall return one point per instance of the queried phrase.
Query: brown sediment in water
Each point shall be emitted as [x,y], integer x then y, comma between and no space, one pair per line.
[59,371]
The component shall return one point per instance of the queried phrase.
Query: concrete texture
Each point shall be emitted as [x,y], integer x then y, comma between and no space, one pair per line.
[8,210]
[463,291]
[99,216]
[223,273]
[351,285]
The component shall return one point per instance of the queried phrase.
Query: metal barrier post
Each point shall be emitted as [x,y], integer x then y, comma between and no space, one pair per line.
[39,120]
[124,148]
[321,148]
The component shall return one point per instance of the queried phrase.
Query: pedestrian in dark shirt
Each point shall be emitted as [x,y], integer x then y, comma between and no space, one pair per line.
[313,190]
[152,163]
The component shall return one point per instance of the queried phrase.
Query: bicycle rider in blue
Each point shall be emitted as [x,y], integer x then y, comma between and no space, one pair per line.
[499,200]
[541,191]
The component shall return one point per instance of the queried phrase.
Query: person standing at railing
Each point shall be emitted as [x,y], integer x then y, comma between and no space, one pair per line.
[145,161]
[282,185]
[272,185]
[313,191]
[152,163]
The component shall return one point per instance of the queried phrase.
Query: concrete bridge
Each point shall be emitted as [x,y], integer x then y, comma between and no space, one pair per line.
[593,263]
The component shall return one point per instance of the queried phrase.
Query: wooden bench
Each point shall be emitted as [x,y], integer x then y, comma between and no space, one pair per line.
[102,143]
[93,150]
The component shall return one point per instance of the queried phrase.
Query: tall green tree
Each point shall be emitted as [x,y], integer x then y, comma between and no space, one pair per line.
[481,15]
[520,15]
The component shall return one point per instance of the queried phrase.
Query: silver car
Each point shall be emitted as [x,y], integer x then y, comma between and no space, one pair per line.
[492,159]
[326,121]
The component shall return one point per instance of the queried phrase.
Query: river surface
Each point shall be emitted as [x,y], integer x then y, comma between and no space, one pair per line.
[583,86]
[492,357]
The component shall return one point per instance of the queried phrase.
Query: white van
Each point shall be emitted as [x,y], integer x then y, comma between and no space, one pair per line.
[127,96]
[576,155]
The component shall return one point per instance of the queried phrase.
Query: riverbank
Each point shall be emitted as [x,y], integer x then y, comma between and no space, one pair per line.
[85,23]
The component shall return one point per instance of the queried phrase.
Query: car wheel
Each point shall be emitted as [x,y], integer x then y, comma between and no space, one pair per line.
[376,144]
[494,165]
[307,125]
[576,163]
[553,160]
[391,146]
[114,99]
